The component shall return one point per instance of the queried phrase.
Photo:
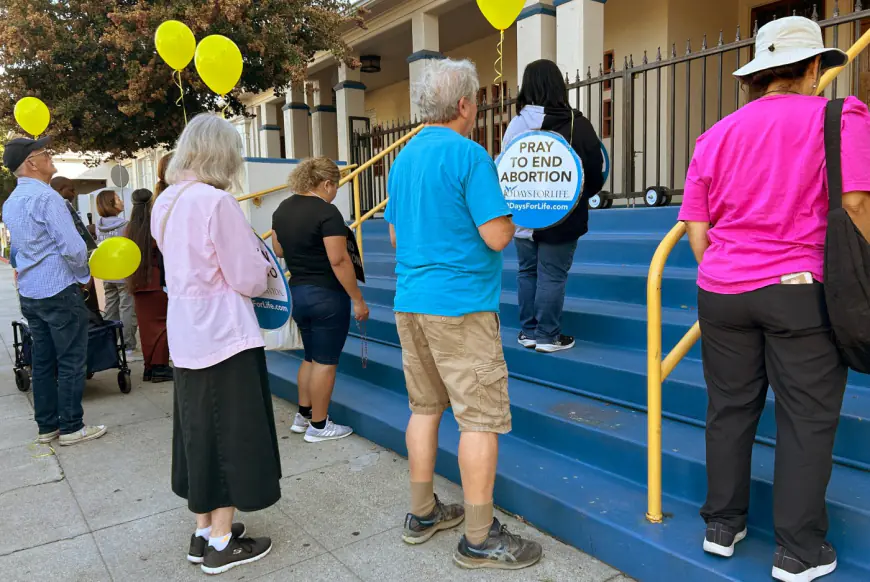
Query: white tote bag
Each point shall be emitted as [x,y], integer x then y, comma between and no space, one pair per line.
[283,338]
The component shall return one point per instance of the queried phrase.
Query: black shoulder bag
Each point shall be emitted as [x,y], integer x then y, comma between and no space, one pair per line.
[847,258]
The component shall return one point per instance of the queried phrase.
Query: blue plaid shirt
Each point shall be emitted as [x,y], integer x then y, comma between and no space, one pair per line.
[51,254]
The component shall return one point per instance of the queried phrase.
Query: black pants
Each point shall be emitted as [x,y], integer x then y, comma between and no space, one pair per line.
[779,335]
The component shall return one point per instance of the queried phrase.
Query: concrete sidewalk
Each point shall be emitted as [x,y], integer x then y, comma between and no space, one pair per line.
[104,510]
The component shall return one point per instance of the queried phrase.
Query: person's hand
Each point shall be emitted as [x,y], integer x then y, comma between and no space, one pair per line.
[360,310]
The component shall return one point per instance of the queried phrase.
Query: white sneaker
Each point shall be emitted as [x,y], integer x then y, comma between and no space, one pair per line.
[88,433]
[300,424]
[330,432]
[134,356]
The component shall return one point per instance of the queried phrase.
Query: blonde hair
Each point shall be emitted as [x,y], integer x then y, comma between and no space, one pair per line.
[211,149]
[311,173]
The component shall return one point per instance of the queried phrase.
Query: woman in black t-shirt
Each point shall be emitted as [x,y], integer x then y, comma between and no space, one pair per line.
[310,234]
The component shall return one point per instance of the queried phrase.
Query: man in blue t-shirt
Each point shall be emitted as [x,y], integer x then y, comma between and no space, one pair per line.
[449,223]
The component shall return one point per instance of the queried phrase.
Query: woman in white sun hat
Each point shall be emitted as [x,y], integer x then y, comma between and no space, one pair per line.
[756,205]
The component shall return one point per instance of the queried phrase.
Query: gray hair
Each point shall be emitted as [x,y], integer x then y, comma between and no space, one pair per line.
[441,86]
[211,148]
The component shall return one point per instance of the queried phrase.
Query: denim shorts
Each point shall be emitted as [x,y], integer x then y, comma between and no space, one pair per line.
[323,318]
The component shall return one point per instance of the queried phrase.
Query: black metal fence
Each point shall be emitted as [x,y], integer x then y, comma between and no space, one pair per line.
[650,112]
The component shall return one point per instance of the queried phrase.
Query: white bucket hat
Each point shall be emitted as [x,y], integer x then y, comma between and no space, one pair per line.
[787,41]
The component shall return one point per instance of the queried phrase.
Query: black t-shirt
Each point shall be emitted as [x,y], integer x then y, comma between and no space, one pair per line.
[301,223]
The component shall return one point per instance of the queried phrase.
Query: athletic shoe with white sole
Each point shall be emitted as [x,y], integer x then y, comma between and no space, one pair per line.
[421,529]
[196,553]
[526,341]
[46,438]
[721,539]
[564,342]
[300,424]
[501,550]
[238,552]
[789,568]
[330,432]
[88,433]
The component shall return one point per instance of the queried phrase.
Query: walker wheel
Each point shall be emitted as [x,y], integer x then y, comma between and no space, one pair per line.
[125,383]
[22,379]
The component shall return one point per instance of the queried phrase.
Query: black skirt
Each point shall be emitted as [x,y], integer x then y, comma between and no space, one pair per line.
[224,444]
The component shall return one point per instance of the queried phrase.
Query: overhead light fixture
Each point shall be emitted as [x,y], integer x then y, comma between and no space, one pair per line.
[370,64]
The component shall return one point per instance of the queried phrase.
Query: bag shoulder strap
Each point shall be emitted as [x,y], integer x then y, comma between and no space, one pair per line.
[833,152]
[169,210]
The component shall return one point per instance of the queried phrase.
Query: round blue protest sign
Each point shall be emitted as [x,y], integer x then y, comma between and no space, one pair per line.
[541,178]
[273,306]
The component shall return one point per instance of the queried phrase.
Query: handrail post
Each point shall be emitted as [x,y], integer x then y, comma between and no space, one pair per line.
[654,372]
[357,208]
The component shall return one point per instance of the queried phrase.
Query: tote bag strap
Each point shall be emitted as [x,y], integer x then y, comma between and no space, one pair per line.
[833,153]
[170,209]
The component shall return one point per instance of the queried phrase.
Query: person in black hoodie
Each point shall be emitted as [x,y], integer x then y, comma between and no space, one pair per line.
[545,256]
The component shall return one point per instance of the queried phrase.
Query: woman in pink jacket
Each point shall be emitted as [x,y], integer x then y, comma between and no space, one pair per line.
[224,445]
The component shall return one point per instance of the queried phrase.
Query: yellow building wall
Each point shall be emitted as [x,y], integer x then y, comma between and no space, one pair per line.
[388,104]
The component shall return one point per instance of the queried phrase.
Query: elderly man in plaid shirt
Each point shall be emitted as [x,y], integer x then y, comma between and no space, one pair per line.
[52,265]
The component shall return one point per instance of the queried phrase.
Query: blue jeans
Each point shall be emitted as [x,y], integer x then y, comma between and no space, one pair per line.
[541,279]
[59,327]
[323,318]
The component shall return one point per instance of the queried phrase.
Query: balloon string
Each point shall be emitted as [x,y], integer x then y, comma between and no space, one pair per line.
[180,101]
[224,109]
[499,62]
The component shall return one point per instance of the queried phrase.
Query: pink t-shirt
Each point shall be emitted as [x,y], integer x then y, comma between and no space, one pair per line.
[759,178]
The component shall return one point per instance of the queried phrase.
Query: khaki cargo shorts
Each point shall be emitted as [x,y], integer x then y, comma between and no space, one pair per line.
[458,362]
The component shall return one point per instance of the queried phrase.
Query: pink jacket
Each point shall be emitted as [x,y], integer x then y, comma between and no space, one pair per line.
[214,265]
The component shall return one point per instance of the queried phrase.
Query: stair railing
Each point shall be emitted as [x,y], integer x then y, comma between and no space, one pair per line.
[657,369]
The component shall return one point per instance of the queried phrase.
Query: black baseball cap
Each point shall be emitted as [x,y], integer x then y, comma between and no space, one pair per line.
[20,148]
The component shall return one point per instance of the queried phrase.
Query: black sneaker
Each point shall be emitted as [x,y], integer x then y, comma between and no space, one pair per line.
[790,568]
[238,552]
[721,539]
[565,342]
[421,529]
[526,341]
[147,375]
[198,544]
[502,550]
[162,374]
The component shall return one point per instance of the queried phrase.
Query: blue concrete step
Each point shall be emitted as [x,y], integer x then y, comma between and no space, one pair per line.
[588,506]
[606,322]
[609,282]
[606,248]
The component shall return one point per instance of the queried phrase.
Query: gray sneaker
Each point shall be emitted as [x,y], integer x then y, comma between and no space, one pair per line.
[87,433]
[502,550]
[46,438]
[330,432]
[421,529]
[300,424]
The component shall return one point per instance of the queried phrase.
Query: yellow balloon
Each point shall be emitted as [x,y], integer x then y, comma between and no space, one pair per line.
[175,44]
[219,63]
[116,258]
[501,13]
[32,115]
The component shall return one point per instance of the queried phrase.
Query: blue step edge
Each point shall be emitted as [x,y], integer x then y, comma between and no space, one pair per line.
[596,511]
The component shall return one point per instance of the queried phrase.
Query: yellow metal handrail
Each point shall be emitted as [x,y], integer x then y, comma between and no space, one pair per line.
[266,192]
[354,177]
[657,369]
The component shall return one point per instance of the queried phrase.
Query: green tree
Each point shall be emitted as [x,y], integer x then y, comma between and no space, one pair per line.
[7,181]
[94,64]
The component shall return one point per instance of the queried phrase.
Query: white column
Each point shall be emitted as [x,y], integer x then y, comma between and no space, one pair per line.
[270,131]
[350,94]
[536,34]
[296,135]
[579,36]
[425,43]
[324,126]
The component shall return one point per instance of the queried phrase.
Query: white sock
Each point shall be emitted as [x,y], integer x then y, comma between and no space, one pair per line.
[204,532]
[220,544]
